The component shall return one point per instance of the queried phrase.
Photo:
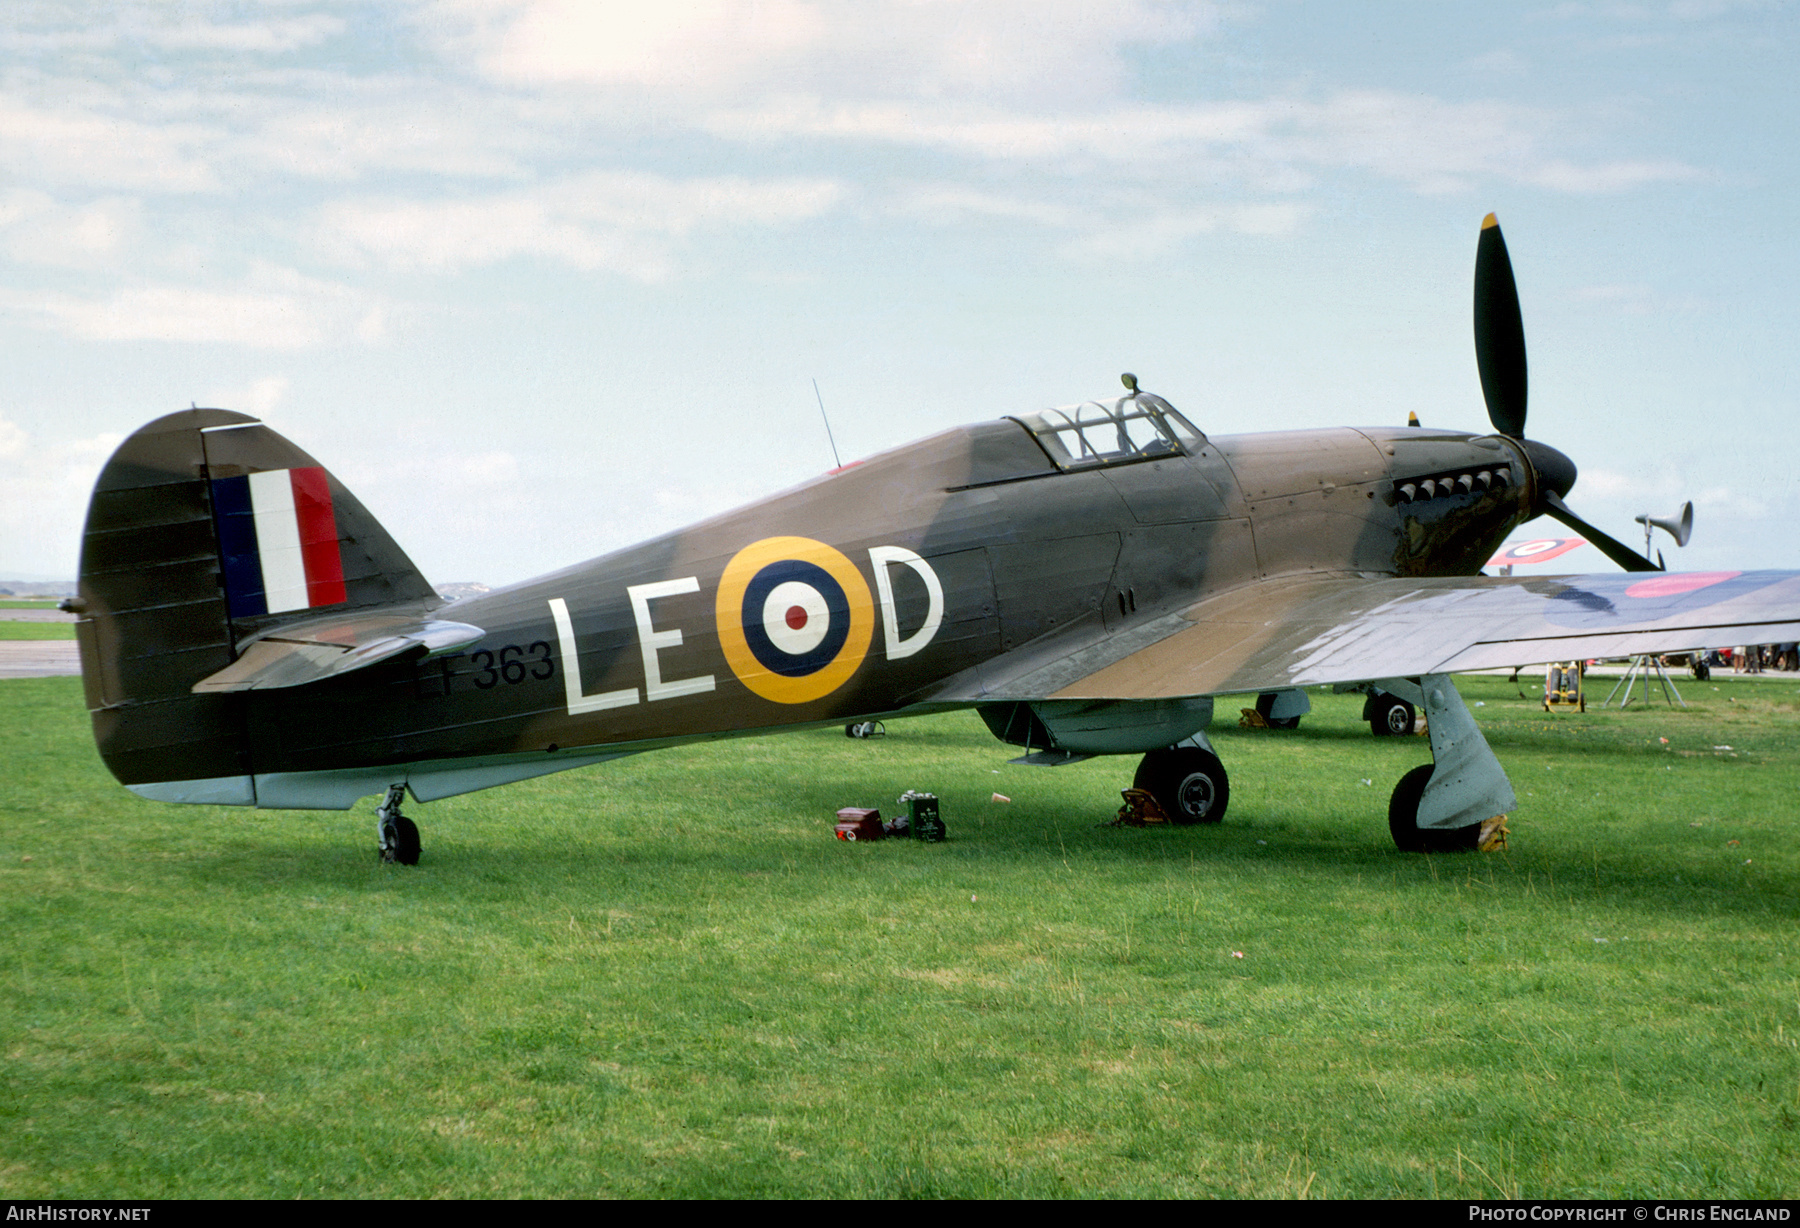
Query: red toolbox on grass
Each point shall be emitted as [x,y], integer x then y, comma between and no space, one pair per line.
[855,823]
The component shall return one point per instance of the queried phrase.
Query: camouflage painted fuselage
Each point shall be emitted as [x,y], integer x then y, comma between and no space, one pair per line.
[935,575]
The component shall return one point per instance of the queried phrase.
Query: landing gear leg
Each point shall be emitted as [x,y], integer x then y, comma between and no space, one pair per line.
[398,835]
[1461,799]
[1187,780]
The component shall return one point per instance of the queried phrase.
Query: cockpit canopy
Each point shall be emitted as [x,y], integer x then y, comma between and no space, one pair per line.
[1133,428]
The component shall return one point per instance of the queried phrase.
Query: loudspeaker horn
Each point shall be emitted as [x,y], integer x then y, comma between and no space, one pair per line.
[1680,526]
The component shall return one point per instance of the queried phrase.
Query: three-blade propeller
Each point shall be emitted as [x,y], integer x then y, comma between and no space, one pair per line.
[1500,357]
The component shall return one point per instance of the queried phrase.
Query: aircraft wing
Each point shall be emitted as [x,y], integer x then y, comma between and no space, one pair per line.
[1302,631]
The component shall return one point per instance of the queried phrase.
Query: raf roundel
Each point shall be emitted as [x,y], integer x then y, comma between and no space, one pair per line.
[795,618]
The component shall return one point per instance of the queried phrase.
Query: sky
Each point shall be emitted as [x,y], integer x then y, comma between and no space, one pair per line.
[538,279]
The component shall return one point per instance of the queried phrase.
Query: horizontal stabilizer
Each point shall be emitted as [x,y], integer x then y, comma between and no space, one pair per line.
[302,653]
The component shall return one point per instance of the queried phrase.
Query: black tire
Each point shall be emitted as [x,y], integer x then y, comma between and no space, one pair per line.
[1403,808]
[406,841]
[1188,783]
[1392,716]
[1403,820]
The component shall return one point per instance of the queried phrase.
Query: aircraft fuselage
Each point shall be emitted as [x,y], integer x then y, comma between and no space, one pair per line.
[865,592]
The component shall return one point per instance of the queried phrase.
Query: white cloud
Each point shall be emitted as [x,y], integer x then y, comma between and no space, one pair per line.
[1726,504]
[683,51]
[1675,10]
[117,132]
[1563,176]
[624,222]
[273,36]
[680,43]
[1429,144]
[426,490]
[1595,483]
[44,491]
[37,229]
[1156,235]
[1116,134]
[1630,300]
[260,398]
[1661,489]
[1012,81]
[325,126]
[1637,300]
[72,144]
[135,23]
[277,309]
[949,205]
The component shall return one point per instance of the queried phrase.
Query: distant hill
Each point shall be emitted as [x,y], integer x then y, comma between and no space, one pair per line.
[37,588]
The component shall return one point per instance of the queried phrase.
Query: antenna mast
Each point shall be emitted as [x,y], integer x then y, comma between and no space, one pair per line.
[838,460]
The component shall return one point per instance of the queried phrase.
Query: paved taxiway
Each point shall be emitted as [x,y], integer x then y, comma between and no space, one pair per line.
[38,658]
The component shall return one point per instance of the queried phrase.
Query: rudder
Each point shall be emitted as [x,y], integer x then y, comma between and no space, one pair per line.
[206,529]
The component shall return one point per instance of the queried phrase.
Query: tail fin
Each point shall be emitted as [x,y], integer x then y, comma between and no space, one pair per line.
[206,528]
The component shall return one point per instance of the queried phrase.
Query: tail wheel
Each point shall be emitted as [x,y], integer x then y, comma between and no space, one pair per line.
[1188,783]
[1392,716]
[1403,820]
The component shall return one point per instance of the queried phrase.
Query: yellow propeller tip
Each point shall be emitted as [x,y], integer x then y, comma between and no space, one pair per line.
[1489,220]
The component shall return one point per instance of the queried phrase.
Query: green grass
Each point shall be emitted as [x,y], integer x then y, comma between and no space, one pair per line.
[23,603]
[10,630]
[663,977]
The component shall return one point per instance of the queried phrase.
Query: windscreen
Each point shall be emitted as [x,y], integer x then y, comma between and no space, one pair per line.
[1131,428]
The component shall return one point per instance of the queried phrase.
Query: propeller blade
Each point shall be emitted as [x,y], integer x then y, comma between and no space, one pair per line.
[1610,546]
[1499,333]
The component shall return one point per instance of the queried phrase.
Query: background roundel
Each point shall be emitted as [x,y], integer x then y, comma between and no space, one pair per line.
[795,618]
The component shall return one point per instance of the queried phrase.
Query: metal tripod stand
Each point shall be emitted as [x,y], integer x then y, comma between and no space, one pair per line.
[1642,668]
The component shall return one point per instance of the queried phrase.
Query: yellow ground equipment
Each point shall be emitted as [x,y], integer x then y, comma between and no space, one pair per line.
[1562,686]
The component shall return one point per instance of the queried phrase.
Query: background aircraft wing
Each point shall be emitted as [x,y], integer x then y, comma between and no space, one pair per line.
[1327,629]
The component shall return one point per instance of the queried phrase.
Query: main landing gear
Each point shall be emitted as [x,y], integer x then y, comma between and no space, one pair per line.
[1187,780]
[1461,799]
[1388,715]
[397,836]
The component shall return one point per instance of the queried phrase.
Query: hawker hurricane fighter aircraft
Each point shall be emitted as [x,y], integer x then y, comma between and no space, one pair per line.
[1088,579]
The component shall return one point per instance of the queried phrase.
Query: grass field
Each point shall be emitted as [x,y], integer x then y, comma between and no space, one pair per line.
[662,976]
[36,631]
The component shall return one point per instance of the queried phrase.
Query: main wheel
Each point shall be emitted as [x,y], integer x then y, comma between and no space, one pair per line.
[406,841]
[1403,808]
[1391,715]
[1403,819]
[1188,783]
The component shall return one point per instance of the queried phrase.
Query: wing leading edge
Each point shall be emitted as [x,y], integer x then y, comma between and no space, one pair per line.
[1327,629]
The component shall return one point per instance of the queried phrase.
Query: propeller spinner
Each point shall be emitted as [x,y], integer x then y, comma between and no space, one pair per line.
[1500,357]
